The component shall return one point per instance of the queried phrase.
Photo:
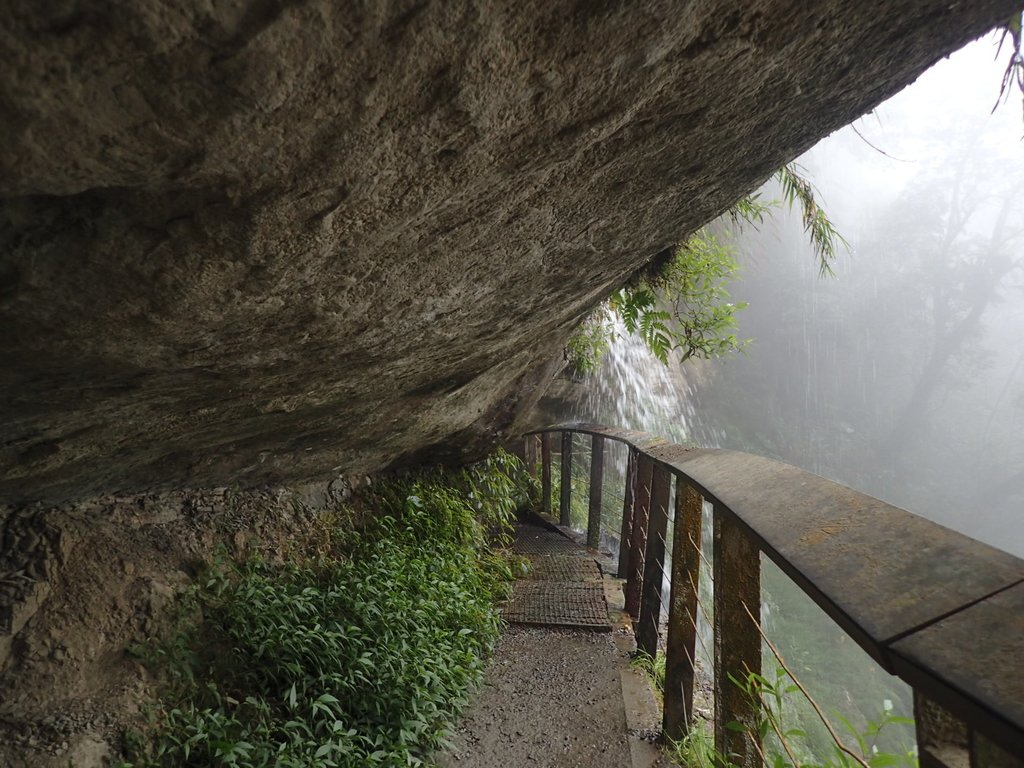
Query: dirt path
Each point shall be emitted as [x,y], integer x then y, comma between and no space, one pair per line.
[552,697]
[555,696]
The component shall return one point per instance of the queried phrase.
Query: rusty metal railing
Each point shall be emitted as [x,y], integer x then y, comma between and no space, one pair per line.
[941,611]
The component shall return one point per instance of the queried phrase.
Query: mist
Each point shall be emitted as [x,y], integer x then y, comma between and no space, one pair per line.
[902,375]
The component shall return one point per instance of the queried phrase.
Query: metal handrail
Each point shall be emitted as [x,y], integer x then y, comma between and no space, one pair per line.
[932,606]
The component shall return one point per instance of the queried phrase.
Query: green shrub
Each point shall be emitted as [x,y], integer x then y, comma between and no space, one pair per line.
[349,659]
[653,667]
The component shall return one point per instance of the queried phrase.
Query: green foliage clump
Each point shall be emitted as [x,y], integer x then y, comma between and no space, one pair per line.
[883,742]
[693,285]
[825,238]
[789,747]
[653,667]
[361,656]
[579,487]
[681,304]
[696,749]
[683,307]
[589,342]
[1014,72]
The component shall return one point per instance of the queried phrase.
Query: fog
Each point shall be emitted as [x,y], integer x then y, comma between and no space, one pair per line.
[901,376]
[904,375]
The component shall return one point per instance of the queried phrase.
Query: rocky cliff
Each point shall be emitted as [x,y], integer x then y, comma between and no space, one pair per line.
[270,240]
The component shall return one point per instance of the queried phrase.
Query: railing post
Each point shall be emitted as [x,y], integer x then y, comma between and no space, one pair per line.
[627,514]
[737,589]
[545,473]
[681,644]
[529,454]
[941,738]
[654,562]
[596,480]
[985,754]
[944,741]
[638,534]
[565,489]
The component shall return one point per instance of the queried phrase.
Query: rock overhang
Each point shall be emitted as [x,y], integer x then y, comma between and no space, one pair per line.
[279,240]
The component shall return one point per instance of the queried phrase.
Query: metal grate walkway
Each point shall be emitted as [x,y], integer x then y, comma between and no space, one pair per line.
[564,587]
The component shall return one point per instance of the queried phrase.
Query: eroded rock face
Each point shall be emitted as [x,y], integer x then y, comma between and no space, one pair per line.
[262,241]
[84,586]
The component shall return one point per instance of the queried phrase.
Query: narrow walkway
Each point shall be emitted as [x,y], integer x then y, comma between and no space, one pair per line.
[558,691]
[564,587]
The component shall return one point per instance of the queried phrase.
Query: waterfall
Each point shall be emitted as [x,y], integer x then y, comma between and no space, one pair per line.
[634,390]
[631,388]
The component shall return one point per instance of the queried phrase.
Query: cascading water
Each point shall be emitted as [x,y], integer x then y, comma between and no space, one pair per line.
[632,389]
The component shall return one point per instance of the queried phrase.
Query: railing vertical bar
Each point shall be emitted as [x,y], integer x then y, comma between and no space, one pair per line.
[629,494]
[565,489]
[638,536]
[545,473]
[986,754]
[681,643]
[939,734]
[596,481]
[654,562]
[737,589]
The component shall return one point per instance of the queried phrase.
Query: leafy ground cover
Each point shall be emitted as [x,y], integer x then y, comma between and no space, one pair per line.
[361,653]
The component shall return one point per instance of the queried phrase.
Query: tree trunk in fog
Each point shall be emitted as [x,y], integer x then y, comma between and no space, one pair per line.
[980,289]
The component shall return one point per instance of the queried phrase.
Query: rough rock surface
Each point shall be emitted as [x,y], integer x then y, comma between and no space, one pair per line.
[276,239]
[109,570]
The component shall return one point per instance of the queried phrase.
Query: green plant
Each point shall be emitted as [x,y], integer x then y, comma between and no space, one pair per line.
[353,658]
[825,238]
[680,303]
[750,210]
[496,487]
[579,488]
[867,740]
[1014,73]
[682,306]
[783,746]
[696,749]
[589,342]
[786,747]
[692,285]
[654,667]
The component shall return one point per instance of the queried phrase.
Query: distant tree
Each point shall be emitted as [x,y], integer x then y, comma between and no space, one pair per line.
[965,238]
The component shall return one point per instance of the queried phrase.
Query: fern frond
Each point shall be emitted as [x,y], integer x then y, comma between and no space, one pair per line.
[825,238]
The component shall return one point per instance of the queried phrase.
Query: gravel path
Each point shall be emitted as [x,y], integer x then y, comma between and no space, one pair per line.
[551,697]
